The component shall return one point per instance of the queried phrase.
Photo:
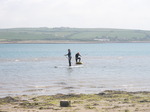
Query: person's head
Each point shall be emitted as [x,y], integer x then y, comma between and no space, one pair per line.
[69,50]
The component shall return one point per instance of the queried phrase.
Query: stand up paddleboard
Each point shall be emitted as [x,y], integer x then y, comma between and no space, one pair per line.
[74,66]
[78,64]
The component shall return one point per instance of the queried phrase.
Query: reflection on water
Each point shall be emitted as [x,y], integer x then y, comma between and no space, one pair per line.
[96,75]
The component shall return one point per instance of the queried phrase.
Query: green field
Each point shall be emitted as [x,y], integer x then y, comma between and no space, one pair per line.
[74,34]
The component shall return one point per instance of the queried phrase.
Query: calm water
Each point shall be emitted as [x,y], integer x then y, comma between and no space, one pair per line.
[43,68]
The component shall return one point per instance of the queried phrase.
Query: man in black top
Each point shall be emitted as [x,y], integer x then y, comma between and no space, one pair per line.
[69,56]
[78,57]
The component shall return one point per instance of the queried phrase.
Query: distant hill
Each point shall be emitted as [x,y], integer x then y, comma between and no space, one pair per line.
[73,34]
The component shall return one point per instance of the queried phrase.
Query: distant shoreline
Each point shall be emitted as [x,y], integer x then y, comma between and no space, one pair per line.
[66,42]
[73,35]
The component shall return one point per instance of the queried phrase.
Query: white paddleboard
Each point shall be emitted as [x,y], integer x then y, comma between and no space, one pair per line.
[73,66]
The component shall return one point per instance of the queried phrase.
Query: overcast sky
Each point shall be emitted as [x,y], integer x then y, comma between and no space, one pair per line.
[125,14]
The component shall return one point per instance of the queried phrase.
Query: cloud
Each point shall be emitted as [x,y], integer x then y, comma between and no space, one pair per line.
[132,14]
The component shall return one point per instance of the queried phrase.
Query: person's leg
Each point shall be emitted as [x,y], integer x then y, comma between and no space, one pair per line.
[69,61]
[76,60]
[79,59]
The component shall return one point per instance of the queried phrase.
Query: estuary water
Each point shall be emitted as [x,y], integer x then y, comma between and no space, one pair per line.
[43,69]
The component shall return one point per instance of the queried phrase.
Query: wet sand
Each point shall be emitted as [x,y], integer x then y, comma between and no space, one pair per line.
[107,101]
[46,42]
[65,42]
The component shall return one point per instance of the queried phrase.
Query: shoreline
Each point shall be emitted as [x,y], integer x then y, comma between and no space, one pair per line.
[107,101]
[65,42]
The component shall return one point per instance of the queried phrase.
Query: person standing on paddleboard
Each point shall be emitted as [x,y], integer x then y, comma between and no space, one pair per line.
[69,56]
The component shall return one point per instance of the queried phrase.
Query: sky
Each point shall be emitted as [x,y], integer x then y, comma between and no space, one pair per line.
[124,14]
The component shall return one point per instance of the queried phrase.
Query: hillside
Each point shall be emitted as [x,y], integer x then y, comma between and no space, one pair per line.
[73,34]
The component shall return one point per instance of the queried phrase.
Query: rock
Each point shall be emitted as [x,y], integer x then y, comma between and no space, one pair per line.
[8,99]
[101,93]
[65,103]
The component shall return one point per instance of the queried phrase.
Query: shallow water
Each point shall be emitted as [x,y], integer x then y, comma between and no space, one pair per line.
[43,68]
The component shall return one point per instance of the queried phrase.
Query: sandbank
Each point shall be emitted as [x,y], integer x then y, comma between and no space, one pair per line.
[107,101]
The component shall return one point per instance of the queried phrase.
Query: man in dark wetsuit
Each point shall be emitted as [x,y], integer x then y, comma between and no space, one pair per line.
[69,56]
[78,57]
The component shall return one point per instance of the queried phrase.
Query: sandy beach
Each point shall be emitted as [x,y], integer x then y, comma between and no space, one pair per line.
[107,101]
